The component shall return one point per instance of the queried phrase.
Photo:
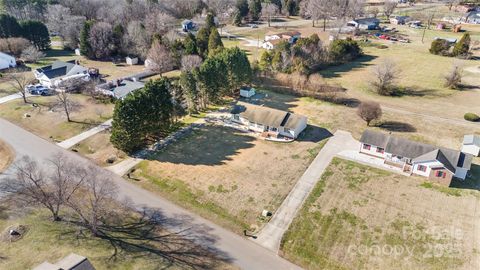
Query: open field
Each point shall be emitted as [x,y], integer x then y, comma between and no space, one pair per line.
[6,156]
[51,241]
[53,125]
[359,217]
[228,176]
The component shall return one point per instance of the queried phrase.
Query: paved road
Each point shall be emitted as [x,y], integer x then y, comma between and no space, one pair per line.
[241,252]
[271,235]
[85,135]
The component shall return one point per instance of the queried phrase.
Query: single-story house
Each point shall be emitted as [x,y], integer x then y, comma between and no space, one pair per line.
[471,145]
[398,20]
[272,44]
[7,61]
[365,23]
[60,73]
[473,17]
[71,262]
[275,122]
[291,36]
[188,25]
[247,92]
[465,8]
[436,163]
[119,89]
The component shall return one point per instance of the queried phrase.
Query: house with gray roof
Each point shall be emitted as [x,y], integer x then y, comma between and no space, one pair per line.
[119,89]
[471,145]
[269,121]
[60,73]
[70,262]
[436,163]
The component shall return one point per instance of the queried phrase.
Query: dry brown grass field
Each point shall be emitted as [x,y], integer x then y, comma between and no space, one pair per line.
[6,156]
[359,217]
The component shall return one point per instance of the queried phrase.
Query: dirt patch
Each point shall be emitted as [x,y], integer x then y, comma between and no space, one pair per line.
[13,233]
[6,156]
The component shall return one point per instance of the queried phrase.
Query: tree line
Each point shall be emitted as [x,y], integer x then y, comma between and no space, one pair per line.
[34,31]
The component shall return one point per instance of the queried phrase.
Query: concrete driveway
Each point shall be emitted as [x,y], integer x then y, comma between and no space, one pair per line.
[271,235]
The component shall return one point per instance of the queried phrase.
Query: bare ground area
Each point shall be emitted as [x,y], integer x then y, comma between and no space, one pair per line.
[6,156]
[39,118]
[229,176]
[99,149]
[359,217]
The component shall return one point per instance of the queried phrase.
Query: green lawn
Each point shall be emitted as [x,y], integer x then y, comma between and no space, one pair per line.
[356,214]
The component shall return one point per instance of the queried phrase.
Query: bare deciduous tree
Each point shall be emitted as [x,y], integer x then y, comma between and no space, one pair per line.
[136,40]
[269,10]
[66,104]
[14,46]
[31,54]
[101,40]
[389,7]
[19,81]
[190,62]
[454,77]
[160,58]
[384,76]
[62,22]
[369,111]
[51,189]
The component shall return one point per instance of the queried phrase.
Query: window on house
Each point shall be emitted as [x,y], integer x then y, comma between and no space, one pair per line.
[440,174]
[236,117]
[367,146]
[273,129]
[380,150]
[422,168]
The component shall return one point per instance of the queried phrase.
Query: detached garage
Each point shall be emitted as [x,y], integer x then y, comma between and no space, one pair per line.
[471,145]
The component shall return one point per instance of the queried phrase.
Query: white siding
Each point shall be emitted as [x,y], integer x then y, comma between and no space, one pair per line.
[429,165]
[471,149]
[373,151]
[461,173]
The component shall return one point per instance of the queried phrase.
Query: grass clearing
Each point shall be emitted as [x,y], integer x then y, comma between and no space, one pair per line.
[343,228]
[6,156]
[228,176]
[53,125]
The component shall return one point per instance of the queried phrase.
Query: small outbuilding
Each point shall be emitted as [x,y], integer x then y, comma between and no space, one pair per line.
[131,60]
[365,23]
[247,92]
[471,145]
[399,20]
[188,25]
[7,61]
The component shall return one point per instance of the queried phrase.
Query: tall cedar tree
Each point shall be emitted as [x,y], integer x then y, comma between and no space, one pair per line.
[239,70]
[255,9]
[242,7]
[188,83]
[190,44]
[202,42]
[210,21]
[144,115]
[215,43]
[213,79]
[9,26]
[37,33]
[85,48]
[462,47]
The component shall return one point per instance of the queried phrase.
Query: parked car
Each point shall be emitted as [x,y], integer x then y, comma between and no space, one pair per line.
[37,89]
[253,25]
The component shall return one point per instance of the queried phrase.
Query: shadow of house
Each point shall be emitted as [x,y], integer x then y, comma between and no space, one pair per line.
[472,181]
[314,134]
[397,126]
[338,70]
[206,145]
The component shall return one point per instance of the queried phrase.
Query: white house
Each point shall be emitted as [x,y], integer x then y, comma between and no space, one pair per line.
[291,37]
[436,163]
[271,44]
[364,24]
[61,74]
[7,61]
[247,92]
[471,145]
[274,123]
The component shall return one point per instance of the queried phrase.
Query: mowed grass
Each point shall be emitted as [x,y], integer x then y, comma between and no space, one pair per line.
[51,241]
[228,176]
[356,215]
[100,150]
[6,156]
[52,124]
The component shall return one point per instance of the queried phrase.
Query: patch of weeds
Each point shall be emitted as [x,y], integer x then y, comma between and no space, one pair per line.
[274,185]
[295,156]
[446,190]
[251,199]
[211,188]
[234,187]
[221,189]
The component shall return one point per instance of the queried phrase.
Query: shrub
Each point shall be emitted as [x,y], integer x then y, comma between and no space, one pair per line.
[471,117]
[342,51]
[31,54]
[385,75]
[440,47]
[462,47]
[14,46]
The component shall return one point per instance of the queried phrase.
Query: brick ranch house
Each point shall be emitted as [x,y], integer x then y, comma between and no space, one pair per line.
[268,121]
[436,163]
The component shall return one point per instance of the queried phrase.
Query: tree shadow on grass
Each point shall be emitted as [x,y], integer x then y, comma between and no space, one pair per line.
[206,145]
[396,126]
[414,92]
[337,71]
[169,242]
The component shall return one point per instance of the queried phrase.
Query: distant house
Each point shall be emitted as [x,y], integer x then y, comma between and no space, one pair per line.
[275,123]
[131,60]
[365,24]
[464,8]
[436,163]
[7,61]
[119,89]
[71,262]
[291,37]
[247,92]
[473,17]
[188,25]
[61,73]
[271,44]
[399,20]
[471,145]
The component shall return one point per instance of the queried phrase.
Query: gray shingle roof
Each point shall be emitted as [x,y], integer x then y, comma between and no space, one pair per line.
[267,116]
[416,151]
[60,68]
